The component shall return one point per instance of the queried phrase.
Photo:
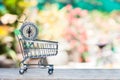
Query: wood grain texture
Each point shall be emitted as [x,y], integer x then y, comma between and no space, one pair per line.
[59,74]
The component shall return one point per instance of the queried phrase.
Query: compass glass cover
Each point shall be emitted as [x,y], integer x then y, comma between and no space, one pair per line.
[29,31]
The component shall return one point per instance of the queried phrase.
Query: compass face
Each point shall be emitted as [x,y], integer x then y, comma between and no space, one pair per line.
[29,31]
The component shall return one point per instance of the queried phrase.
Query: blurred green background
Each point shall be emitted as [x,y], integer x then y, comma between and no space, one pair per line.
[88,31]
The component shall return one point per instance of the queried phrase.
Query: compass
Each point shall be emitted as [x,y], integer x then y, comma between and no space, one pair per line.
[29,31]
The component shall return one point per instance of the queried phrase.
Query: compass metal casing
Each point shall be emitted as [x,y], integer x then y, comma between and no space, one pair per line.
[29,31]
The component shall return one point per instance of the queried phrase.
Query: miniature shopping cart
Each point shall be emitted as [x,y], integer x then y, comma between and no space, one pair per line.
[34,49]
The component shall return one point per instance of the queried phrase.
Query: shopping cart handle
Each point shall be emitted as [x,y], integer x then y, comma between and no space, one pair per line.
[45,41]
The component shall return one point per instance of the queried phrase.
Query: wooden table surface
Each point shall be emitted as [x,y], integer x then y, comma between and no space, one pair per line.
[59,74]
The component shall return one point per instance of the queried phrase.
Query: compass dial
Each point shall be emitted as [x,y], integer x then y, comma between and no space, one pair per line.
[29,31]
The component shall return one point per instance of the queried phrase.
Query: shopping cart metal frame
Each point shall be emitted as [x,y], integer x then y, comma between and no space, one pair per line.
[36,49]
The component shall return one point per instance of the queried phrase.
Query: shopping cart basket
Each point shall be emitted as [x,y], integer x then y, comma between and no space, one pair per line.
[34,49]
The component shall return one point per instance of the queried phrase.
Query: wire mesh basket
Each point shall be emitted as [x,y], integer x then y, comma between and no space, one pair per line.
[39,48]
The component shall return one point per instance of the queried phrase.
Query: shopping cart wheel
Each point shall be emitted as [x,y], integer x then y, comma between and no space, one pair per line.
[50,72]
[21,71]
[51,69]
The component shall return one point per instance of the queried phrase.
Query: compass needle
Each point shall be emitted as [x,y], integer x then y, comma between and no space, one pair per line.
[29,32]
